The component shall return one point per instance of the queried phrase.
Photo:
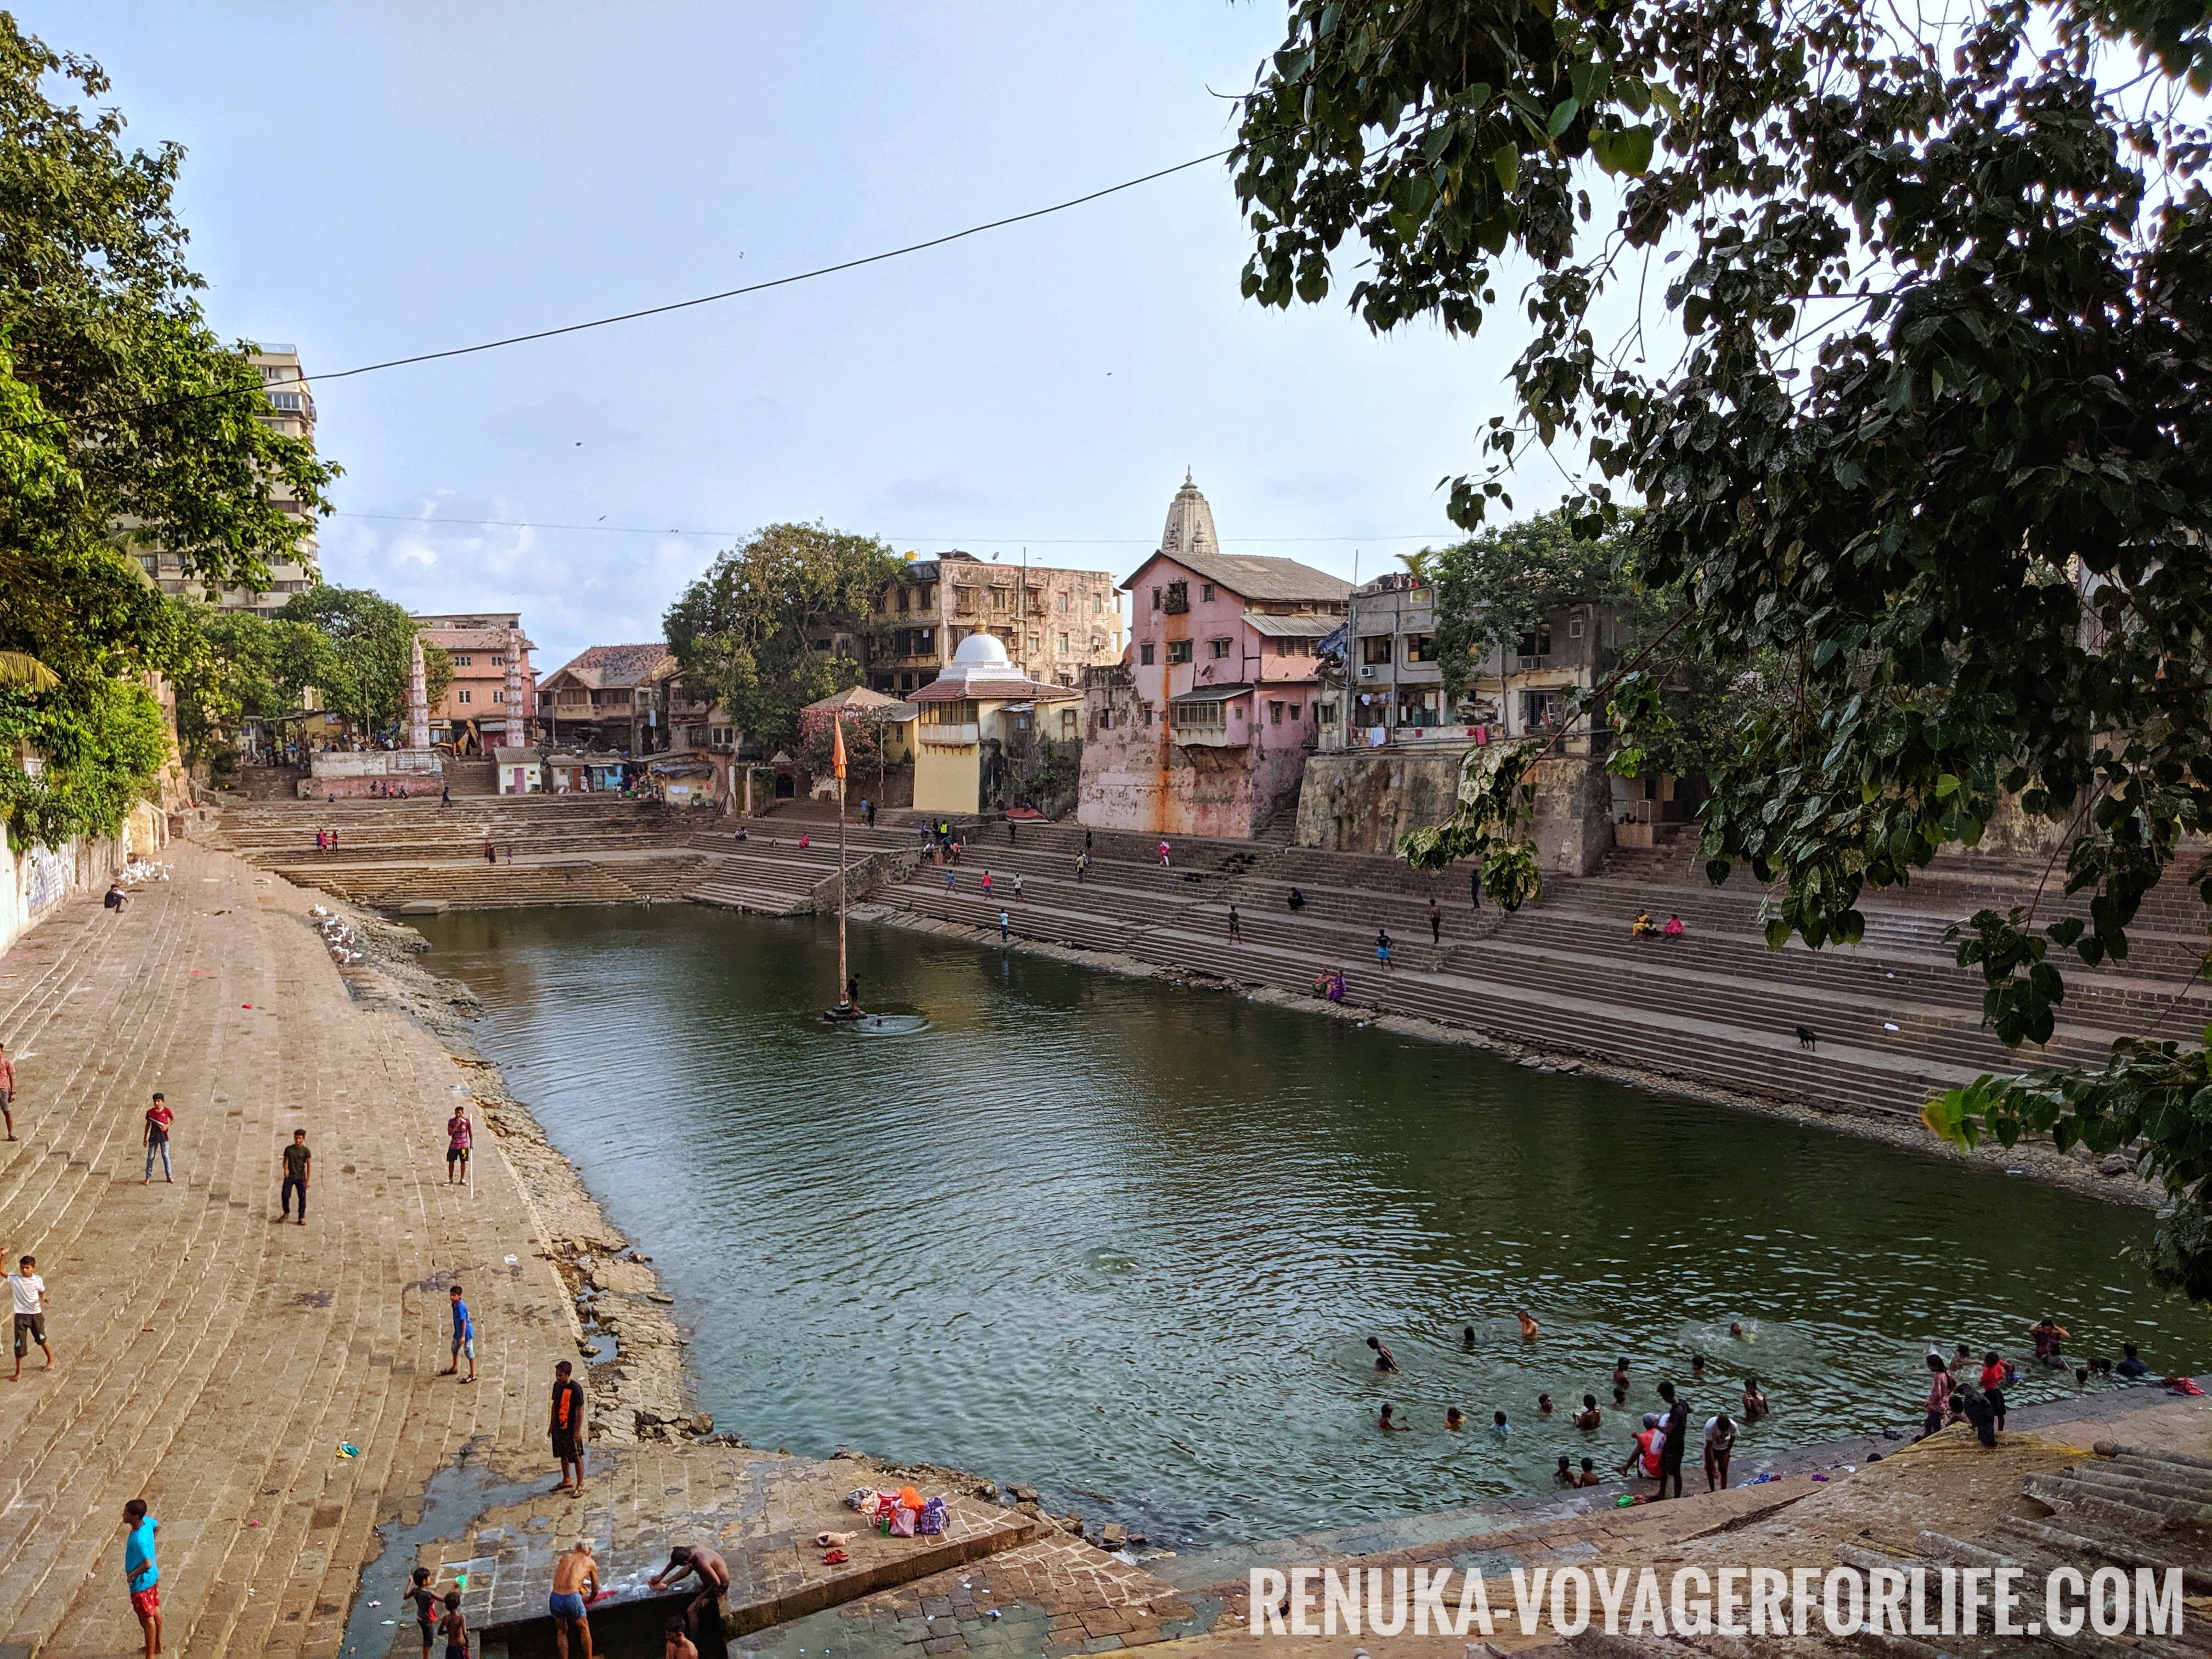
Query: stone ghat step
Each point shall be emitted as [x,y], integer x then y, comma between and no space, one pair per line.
[1757,1062]
[1776,1008]
[760,1512]
[459,844]
[210,1360]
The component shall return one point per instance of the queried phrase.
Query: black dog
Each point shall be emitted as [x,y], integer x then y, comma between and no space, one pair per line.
[1808,1037]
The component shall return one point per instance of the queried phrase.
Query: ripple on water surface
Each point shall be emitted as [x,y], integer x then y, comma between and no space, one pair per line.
[1126,1241]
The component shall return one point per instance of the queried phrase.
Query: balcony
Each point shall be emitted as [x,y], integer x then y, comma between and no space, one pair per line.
[965,735]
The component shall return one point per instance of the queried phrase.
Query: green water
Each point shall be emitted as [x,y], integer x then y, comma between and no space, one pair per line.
[1125,1242]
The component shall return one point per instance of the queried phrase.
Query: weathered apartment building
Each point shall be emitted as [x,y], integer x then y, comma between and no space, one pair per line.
[1053,623]
[1204,727]
[1393,739]
[493,699]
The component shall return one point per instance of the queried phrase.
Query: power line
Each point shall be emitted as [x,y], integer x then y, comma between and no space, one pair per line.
[738,535]
[673,305]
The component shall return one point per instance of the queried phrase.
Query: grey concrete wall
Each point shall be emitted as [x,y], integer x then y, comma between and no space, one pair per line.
[1574,815]
[1362,802]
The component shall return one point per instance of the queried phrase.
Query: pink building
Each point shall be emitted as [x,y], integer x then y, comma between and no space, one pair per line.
[1204,727]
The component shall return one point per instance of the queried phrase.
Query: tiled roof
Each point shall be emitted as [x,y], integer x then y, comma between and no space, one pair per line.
[1008,686]
[1251,577]
[603,667]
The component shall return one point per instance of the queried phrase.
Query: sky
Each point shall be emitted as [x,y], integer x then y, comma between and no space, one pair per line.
[368,181]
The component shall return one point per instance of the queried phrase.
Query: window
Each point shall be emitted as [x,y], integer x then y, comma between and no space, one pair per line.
[1178,650]
[1147,710]
[905,598]
[285,399]
[1574,628]
[1063,645]
[1418,647]
[1200,717]
[928,600]
[963,601]
[1178,597]
[461,696]
[1145,654]
[1327,713]
[1374,649]
[498,695]
[1097,642]
[1538,709]
[997,598]
[464,661]
[1105,719]
[499,662]
[1294,712]
[1063,608]
[1294,647]
[1067,721]
[1274,714]
[1205,592]
[1097,604]
[960,712]
[1156,598]
[1220,648]
[1536,647]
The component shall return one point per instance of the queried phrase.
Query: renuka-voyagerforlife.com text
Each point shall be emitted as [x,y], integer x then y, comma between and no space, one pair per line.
[1748,1601]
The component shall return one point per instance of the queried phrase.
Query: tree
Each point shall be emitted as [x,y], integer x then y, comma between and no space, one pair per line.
[246,663]
[1493,589]
[370,645]
[750,627]
[1932,440]
[124,422]
[867,745]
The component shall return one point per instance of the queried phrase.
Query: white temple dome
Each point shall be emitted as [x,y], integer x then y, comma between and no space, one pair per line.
[979,650]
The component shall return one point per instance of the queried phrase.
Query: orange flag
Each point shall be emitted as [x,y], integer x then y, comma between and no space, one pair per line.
[837,745]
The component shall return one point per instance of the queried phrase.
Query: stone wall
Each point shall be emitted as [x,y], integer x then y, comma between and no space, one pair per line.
[33,881]
[1361,801]
[1574,815]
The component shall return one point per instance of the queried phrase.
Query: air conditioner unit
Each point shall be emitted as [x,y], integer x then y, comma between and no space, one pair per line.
[1367,671]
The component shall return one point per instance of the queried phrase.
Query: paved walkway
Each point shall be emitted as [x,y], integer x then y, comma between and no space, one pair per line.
[212,1361]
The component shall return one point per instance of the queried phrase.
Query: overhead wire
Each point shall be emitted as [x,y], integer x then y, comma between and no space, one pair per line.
[649,311]
[733,535]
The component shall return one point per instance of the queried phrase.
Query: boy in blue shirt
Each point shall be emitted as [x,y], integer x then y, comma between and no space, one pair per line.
[464,1339]
[141,1574]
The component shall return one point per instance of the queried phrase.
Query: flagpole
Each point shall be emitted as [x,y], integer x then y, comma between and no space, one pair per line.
[844,996]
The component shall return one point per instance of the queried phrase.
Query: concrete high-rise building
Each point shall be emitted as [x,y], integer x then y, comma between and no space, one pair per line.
[292,412]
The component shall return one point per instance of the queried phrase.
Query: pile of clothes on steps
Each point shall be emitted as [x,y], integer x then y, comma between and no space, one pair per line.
[902,1514]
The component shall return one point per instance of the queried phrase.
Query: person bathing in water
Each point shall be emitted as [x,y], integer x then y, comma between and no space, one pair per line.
[1384,1359]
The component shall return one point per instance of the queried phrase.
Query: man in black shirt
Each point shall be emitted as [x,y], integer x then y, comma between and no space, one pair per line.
[1677,1425]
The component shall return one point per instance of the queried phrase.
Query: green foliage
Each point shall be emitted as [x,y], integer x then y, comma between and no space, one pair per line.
[367,655]
[747,627]
[1496,796]
[108,433]
[865,747]
[1932,450]
[1494,588]
[244,663]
